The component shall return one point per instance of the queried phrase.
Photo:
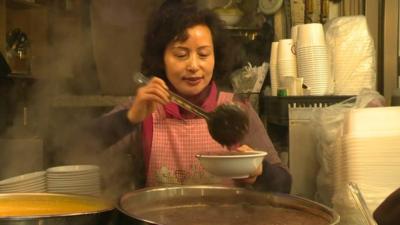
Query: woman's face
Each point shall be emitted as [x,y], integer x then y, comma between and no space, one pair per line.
[189,64]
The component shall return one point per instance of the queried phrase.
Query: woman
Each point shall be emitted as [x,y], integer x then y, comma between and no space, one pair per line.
[185,51]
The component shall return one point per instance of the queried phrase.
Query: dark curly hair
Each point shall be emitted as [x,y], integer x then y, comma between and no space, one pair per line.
[169,23]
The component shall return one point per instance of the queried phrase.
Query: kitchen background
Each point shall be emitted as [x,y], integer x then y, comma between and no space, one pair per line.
[74,59]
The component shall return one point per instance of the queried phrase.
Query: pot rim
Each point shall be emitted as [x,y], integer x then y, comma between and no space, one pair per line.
[335,216]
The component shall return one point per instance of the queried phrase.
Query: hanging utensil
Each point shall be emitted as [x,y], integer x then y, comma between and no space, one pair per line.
[227,124]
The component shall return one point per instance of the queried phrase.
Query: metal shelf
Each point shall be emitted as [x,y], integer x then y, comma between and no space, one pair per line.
[275,108]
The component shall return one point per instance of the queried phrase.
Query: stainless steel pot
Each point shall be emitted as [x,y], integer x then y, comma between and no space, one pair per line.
[206,205]
[60,209]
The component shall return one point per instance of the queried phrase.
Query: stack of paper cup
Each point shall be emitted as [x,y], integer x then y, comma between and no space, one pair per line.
[293,33]
[273,63]
[286,59]
[312,58]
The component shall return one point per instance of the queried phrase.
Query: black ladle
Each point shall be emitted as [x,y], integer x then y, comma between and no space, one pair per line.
[227,124]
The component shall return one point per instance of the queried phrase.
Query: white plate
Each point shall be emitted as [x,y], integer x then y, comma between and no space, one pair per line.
[269,7]
[73,168]
[24,177]
[68,185]
[25,183]
[73,179]
[39,182]
[93,189]
[34,189]
[73,176]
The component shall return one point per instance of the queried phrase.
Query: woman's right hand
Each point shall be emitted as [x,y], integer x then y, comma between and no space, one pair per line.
[147,99]
[253,177]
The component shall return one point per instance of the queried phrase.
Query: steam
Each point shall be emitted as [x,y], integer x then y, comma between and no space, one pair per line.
[96,61]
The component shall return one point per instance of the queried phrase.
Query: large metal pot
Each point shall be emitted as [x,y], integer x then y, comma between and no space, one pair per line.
[206,205]
[50,209]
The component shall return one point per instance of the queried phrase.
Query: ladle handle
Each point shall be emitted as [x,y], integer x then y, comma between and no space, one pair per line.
[140,79]
[360,202]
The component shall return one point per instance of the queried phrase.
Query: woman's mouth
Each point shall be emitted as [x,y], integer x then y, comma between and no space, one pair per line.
[192,81]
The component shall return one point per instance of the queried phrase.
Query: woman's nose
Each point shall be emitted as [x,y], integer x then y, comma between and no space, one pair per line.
[193,64]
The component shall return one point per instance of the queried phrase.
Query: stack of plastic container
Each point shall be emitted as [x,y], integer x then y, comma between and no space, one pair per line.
[369,155]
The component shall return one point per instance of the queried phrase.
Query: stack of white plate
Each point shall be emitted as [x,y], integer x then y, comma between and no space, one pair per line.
[369,154]
[30,182]
[74,179]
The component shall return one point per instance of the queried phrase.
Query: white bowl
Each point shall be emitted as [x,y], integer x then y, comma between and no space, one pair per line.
[232,165]
[229,14]
[230,19]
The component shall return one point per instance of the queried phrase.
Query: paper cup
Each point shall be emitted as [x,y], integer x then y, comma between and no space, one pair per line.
[286,50]
[274,53]
[311,34]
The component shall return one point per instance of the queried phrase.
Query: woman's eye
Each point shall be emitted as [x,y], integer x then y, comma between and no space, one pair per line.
[204,55]
[204,52]
[180,55]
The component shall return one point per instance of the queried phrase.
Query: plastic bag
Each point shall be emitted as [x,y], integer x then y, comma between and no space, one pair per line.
[328,123]
[249,79]
[352,53]
[247,83]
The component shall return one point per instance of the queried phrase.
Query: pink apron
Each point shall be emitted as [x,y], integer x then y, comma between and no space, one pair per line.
[174,147]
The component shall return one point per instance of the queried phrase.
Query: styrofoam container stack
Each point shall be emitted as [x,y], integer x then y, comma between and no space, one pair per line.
[369,155]
[374,121]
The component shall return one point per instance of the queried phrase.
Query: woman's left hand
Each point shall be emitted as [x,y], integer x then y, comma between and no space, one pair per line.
[252,177]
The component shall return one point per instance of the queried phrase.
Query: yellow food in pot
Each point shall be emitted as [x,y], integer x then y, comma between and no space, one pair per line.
[31,205]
